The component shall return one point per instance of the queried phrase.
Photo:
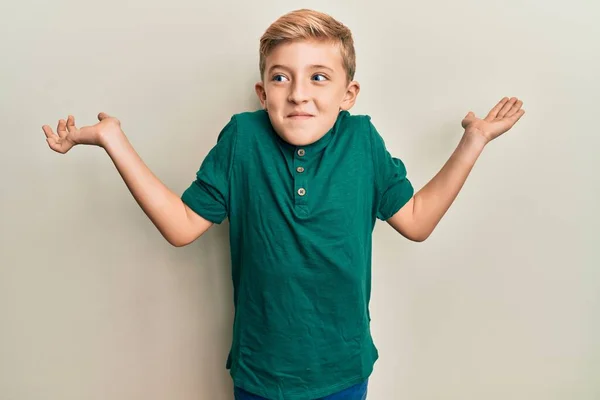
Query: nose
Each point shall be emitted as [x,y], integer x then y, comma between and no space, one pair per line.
[298,93]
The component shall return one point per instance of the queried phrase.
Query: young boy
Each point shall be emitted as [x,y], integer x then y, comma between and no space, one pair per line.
[302,183]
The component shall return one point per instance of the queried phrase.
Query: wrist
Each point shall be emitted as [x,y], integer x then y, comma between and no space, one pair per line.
[474,140]
[111,139]
[470,147]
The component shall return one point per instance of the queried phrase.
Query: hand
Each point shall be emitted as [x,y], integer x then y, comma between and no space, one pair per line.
[499,120]
[69,135]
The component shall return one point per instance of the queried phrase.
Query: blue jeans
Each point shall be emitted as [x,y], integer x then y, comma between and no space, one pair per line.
[356,392]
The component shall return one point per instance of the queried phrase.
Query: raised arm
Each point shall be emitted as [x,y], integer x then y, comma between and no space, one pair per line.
[178,224]
[421,214]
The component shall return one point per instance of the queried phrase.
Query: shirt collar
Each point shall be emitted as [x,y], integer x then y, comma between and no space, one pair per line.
[317,146]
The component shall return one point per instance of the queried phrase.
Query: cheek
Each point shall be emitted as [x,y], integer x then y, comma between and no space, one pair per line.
[332,96]
[275,98]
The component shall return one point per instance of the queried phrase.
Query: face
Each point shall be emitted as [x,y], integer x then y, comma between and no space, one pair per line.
[303,89]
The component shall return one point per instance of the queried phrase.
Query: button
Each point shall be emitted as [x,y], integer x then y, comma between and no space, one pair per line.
[301,191]
[301,152]
[300,169]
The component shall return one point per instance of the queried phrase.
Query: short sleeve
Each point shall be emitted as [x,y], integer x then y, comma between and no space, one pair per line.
[393,188]
[208,194]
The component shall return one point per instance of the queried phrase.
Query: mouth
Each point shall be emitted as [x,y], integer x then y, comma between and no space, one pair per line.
[300,116]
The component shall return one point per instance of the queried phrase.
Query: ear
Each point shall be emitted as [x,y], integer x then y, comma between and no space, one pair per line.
[350,97]
[261,93]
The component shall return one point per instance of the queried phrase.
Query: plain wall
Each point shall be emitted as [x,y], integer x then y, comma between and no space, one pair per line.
[501,302]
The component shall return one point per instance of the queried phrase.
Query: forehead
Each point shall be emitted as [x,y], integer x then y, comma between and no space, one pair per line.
[300,53]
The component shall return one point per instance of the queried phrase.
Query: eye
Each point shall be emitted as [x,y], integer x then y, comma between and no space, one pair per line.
[279,78]
[316,76]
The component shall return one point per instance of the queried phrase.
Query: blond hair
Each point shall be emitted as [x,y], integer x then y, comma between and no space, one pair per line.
[309,24]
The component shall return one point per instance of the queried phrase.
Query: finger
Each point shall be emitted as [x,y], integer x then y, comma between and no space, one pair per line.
[48,131]
[102,116]
[55,144]
[71,123]
[494,111]
[59,145]
[506,108]
[61,129]
[52,142]
[468,119]
[517,116]
[514,109]
[511,121]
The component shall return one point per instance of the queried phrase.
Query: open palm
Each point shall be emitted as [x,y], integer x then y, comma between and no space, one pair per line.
[68,135]
[499,120]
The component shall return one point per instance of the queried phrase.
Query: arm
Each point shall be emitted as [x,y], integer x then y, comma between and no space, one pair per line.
[421,214]
[178,224]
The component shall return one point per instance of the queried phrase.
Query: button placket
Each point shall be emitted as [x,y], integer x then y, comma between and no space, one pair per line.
[301,191]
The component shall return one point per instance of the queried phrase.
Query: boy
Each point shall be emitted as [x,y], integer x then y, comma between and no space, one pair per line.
[302,182]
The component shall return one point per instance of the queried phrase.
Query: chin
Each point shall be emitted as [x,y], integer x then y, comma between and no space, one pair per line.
[294,140]
[299,138]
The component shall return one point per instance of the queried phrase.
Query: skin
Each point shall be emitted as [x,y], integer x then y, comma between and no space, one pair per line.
[305,77]
[419,217]
[303,89]
[292,83]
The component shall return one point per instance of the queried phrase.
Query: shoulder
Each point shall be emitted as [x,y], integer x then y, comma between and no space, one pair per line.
[252,127]
[354,121]
[244,126]
[363,133]
[356,128]
[252,121]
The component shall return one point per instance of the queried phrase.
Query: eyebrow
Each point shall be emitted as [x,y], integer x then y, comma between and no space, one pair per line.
[313,66]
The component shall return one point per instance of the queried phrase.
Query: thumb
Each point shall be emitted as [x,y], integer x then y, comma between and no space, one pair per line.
[468,119]
[102,116]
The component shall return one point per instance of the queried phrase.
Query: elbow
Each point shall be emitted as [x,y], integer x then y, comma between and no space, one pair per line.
[177,244]
[177,241]
[419,237]
[181,242]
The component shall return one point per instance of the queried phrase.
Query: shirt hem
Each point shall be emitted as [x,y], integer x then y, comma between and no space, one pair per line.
[300,396]
[188,198]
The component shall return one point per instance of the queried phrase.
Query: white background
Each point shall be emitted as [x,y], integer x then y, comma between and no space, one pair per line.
[501,302]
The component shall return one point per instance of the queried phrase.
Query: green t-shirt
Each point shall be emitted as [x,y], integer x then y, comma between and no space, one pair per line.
[301,222]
